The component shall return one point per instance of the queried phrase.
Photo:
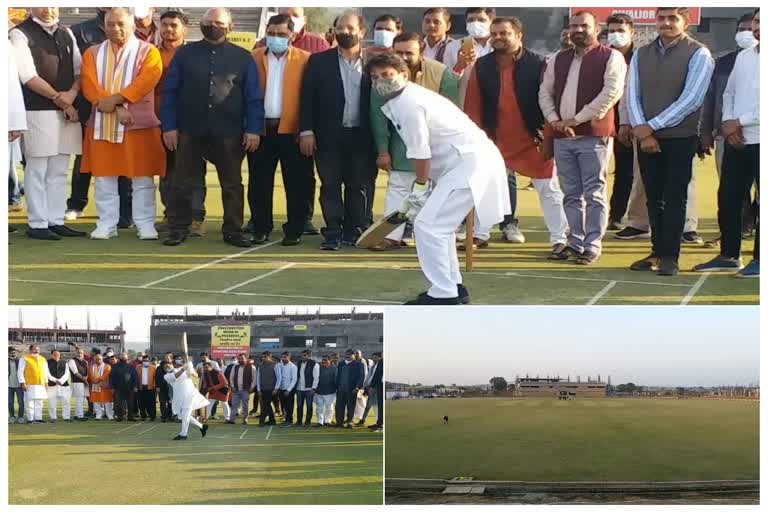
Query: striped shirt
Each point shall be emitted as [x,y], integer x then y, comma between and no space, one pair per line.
[700,68]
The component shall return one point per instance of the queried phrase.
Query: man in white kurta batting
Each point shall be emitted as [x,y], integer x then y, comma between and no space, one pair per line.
[186,398]
[457,168]
[33,379]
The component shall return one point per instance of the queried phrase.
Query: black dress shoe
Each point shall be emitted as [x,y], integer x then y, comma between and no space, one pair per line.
[238,240]
[66,231]
[310,229]
[42,234]
[668,267]
[180,438]
[124,223]
[427,300]
[175,238]
[289,240]
[330,245]
[463,294]
[257,239]
[204,430]
[650,262]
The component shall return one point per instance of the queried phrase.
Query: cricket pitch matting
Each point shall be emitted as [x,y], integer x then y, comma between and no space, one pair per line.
[126,270]
[104,462]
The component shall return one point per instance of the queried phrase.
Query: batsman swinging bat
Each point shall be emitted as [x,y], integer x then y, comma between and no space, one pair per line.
[469,243]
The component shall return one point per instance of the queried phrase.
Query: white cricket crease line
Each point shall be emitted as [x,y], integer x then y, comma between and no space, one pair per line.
[346,300]
[145,431]
[268,433]
[126,428]
[592,279]
[259,277]
[694,289]
[206,265]
[243,434]
[600,294]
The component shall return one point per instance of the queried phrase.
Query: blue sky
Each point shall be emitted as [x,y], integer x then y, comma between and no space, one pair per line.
[646,345]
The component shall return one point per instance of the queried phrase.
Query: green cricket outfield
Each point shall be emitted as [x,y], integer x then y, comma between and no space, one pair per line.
[125,270]
[102,462]
[547,440]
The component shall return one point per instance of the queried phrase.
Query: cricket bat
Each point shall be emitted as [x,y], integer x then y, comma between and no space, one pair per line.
[469,243]
[184,345]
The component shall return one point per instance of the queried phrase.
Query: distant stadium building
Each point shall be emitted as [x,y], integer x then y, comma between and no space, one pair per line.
[554,386]
[321,332]
[61,339]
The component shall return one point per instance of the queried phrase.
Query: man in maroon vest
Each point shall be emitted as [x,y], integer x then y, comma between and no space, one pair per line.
[578,91]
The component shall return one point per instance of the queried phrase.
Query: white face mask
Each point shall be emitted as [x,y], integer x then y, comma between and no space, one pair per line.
[49,24]
[478,29]
[298,24]
[389,86]
[383,38]
[619,39]
[745,39]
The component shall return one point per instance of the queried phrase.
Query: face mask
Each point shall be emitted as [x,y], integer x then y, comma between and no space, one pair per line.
[178,361]
[383,38]
[389,86]
[145,364]
[277,44]
[49,24]
[347,41]
[212,32]
[619,39]
[298,24]
[140,12]
[478,29]
[745,39]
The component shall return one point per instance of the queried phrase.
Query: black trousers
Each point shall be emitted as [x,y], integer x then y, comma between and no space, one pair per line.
[81,182]
[741,168]
[345,404]
[624,163]
[226,153]
[666,176]
[380,405]
[286,404]
[166,412]
[304,400]
[198,193]
[346,168]
[147,404]
[124,403]
[267,414]
[296,170]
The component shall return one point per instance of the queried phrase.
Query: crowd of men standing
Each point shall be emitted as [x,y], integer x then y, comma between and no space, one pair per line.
[335,392]
[148,103]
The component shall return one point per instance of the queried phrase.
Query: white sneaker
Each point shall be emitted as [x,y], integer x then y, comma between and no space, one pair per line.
[512,234]
[149,233]
[103,234]
[72,215]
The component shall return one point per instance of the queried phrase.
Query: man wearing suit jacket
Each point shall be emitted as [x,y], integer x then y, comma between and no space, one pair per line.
[335,128]
[375,391]
[282,67]
[349,380]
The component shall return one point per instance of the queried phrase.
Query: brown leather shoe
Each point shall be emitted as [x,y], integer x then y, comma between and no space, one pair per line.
[385,245]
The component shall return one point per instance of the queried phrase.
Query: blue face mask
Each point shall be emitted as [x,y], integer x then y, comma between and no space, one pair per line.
[277,44]
[383,38]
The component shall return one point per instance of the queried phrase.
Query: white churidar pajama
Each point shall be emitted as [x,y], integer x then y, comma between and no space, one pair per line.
[79,390]
[398,187]
[108,202]
[60,393]
[324,407]
[467,168]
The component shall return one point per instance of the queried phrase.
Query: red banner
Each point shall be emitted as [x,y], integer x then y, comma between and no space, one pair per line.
[641,15]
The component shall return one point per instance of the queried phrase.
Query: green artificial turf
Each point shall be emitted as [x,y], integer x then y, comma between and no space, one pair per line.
[126,270]
[535,439]
[102,462]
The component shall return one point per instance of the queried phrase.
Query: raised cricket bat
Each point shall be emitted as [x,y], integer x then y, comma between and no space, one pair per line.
[469,243]
[184,345]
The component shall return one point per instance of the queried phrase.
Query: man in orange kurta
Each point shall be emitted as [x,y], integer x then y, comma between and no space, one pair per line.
[101,393]
[515,124]
[122,137]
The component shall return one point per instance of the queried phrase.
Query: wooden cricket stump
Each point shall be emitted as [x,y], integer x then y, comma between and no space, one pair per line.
[469,243]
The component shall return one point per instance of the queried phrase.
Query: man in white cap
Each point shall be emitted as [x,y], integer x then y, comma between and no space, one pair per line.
[186,398]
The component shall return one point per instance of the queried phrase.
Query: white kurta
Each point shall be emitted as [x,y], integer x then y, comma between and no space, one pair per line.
[185,394]
[17,115]
[48,132]
[432,127]
[34,392]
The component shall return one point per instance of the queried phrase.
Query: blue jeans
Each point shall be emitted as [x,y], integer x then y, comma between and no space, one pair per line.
[304,397]
[19,394]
